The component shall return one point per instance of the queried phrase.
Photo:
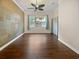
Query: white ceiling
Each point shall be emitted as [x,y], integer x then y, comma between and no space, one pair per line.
[50,5]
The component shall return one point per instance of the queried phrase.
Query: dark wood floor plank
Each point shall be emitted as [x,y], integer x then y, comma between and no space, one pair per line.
[37,46]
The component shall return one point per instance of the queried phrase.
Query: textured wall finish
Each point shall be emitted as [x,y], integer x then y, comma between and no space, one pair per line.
[11,21]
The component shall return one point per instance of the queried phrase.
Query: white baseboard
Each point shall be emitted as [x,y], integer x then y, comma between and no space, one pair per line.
[76,51]
[7,44]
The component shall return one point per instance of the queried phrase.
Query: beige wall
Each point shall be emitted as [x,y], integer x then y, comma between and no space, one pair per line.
[69,23]
[11,21]
[55,12]
[11,6]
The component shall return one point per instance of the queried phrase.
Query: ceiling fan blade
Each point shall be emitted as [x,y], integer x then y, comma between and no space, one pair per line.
[41,9]
[30,8]
[33,5]
[42,5]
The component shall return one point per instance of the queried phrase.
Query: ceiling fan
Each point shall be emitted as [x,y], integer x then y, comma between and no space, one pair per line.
[37,7]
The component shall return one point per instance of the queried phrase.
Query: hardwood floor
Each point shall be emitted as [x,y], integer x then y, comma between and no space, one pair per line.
[37,46]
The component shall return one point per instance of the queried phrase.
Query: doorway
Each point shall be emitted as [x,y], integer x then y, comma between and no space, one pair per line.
[55,26]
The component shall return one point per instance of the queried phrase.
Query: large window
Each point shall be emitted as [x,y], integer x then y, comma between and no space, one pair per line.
[38,22]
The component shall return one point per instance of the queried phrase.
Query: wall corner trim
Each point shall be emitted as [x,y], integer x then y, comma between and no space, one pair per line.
[7,44]
[75,50]
[18,5]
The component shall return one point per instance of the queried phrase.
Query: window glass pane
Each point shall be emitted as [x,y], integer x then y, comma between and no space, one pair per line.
[31,22]
[35,22]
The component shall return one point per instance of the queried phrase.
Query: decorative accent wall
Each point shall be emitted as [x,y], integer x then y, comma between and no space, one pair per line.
[11,22]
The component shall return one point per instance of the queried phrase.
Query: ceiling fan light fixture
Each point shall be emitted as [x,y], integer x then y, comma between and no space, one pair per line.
[37,6]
